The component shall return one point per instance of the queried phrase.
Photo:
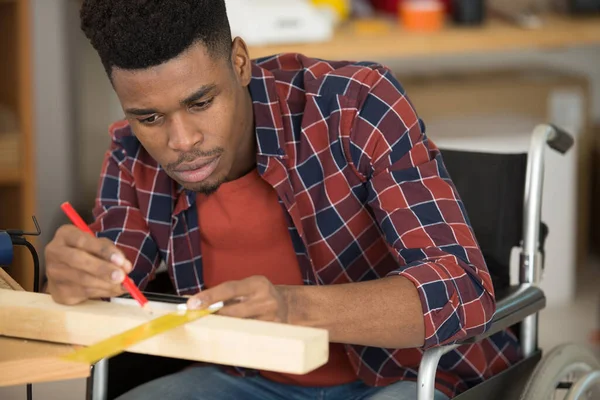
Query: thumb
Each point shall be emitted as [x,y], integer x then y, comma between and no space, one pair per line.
[196,302]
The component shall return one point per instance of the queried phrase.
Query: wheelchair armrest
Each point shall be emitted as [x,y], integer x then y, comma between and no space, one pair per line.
[512,306]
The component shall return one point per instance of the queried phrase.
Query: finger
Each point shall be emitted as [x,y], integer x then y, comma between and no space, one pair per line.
[90,264]
[101,293]
[76,280]
[100,247]
[64,294]
[71,294]
[246,309]
[251,310]
[75,284]
[225,292]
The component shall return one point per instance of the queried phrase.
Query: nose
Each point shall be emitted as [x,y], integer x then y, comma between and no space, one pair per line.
[183,135]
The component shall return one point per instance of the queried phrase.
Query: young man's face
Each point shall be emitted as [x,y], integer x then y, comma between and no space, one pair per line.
[193,115]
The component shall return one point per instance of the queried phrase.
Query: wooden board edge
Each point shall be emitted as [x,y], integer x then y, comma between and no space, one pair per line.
[41,369]
[212,339]
[10,281]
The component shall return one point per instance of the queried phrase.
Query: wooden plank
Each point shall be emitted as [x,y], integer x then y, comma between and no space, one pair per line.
[213,339]
[389,40]
[6,282]
[23,361]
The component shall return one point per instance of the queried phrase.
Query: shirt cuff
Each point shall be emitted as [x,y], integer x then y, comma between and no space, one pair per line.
[440,300]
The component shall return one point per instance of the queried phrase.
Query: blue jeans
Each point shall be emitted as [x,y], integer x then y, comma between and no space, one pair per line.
[210,383]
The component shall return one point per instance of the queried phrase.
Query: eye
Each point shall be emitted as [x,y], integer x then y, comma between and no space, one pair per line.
[202,104]
[150,120]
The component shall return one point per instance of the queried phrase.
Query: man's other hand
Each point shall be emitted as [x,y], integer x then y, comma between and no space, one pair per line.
[254,297]
[80,266]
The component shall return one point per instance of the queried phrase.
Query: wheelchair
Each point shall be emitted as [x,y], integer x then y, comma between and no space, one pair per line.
[503,216]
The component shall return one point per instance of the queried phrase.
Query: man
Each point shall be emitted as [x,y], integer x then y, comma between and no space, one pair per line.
[296,190]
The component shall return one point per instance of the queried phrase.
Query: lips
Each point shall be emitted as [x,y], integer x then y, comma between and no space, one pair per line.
[198,171]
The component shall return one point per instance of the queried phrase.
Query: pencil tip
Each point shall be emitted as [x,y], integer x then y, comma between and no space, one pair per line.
[146,307]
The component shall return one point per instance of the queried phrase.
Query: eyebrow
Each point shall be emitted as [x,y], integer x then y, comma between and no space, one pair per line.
[197,95]
[140,111]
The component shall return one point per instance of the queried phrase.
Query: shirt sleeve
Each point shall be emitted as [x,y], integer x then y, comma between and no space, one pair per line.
[118,217]
[420,212]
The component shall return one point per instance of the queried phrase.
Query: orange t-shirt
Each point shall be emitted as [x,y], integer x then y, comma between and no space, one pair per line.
[244,233]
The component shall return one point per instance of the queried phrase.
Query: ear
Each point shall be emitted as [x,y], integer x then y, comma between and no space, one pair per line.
[240,61]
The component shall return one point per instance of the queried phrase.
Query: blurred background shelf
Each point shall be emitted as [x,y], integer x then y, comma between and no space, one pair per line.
[385,38]
[10,158]
[9,177]
[17,173]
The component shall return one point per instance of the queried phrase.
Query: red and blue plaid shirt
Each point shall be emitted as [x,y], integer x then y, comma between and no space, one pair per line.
[366,196]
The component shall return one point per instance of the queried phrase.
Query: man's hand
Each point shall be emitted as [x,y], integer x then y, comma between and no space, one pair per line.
[253,297]
[80,266]
[382,312]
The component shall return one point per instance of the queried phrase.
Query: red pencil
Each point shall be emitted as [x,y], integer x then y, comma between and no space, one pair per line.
[127,282]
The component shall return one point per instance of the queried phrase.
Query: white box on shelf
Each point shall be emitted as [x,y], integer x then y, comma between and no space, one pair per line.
[265,22]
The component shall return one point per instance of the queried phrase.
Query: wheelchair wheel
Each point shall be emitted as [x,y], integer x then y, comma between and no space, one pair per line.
[558,370]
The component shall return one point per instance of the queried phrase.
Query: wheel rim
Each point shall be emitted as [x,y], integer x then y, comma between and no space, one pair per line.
[587,387]
[569,375]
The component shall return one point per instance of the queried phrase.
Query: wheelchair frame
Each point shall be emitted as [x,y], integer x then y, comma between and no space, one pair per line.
[520,305]
[524,303]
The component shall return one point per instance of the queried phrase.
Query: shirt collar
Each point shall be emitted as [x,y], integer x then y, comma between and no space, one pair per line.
[268,121]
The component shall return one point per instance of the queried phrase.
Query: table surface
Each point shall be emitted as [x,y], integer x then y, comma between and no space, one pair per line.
[25,361]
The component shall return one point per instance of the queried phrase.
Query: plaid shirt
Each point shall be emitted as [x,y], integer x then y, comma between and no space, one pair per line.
[366,196]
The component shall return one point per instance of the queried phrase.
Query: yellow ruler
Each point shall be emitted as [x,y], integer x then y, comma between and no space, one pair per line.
[118,343]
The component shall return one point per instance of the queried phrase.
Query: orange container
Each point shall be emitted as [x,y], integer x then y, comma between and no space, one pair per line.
[422,15]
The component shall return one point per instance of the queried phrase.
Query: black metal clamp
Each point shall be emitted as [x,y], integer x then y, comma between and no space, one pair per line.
[17,237]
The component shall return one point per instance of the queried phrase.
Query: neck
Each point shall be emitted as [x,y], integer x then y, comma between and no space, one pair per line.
[246,157]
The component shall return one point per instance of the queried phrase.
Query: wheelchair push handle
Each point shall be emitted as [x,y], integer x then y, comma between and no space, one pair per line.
[559,139]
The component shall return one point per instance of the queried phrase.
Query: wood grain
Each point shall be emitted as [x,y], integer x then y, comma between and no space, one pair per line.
[213,339]
[389,40]
[26,361]
[6,282]
[23,361]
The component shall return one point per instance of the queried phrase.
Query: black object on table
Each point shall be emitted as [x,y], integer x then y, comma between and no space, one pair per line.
[468,12]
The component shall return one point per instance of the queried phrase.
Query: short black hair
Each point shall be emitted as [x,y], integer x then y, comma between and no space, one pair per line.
[138,34]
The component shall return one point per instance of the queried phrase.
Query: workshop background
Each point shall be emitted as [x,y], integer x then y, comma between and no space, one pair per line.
[481,74]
